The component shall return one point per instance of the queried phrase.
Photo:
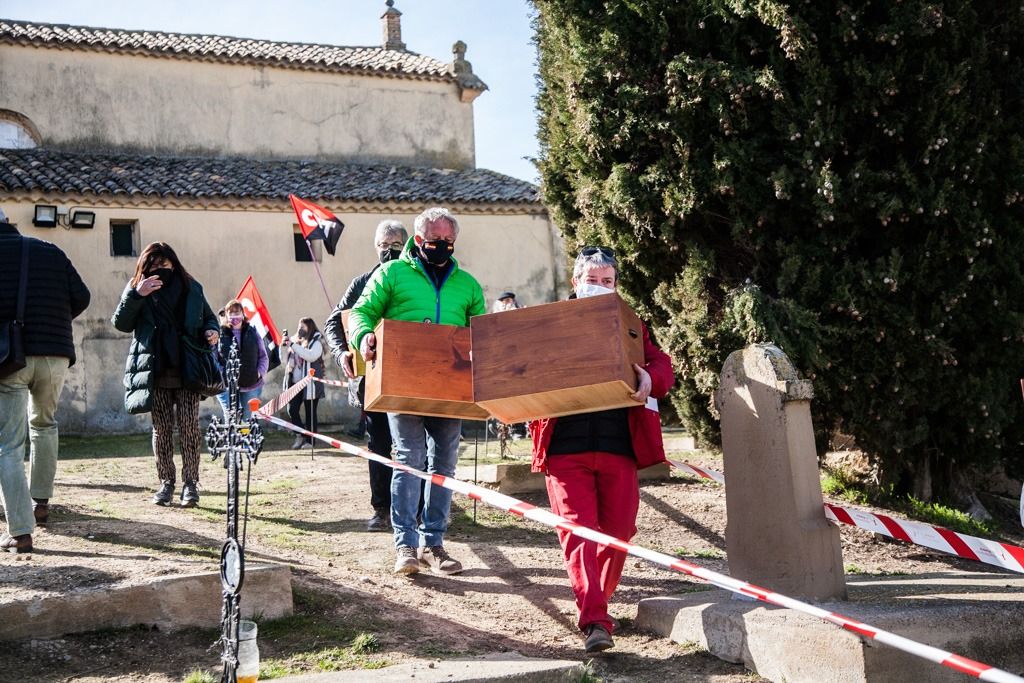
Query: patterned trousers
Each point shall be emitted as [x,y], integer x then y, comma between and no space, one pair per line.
[181,407]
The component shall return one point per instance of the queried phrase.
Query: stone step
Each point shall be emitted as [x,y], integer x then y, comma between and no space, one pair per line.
[500,666]
[192,600]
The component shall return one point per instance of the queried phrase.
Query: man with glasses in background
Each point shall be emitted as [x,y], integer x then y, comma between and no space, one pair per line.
[591,462]
[388,240]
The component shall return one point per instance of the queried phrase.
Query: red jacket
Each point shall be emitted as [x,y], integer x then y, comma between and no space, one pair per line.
[644,424]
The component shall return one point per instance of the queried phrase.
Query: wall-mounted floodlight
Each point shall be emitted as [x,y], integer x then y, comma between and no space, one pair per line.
[45,216]
[83,219]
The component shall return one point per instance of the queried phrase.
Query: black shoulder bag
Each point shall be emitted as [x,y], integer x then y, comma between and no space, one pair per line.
[200,371]
[12,343]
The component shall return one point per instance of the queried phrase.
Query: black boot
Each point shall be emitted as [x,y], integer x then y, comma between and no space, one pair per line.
[165,494]
[189,495]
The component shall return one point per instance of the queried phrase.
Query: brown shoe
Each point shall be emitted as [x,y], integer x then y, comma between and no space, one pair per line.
[16,544]
[41,510]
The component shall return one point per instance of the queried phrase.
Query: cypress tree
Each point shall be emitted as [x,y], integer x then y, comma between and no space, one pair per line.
[841,179]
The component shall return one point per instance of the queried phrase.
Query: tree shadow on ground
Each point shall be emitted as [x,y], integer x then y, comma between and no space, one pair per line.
[163,538]
[709,535]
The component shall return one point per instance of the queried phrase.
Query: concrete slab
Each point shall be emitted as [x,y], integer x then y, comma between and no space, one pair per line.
[977,615]
[168,603]
[515,477]
[501,666]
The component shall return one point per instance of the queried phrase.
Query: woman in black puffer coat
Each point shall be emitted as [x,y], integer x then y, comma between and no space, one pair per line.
[161,305]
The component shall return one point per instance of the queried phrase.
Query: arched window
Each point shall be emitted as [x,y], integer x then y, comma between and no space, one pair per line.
[17,131]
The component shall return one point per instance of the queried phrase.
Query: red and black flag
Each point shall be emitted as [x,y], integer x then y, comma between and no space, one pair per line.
[317,223]
[258,315]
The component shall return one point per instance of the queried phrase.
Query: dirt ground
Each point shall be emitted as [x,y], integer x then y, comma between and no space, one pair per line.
[351,612]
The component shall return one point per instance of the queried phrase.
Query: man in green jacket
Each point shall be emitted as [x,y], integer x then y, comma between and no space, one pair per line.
[424,285]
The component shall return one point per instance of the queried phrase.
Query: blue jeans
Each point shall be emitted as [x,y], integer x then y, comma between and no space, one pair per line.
[429,444]
[41,380]
[243,398]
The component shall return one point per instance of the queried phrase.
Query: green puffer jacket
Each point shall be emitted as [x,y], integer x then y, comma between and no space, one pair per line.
[402,290]
[134,315]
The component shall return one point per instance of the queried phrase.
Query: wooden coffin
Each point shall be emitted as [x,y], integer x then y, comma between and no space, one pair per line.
[422,369]
[556,359]
[357,358]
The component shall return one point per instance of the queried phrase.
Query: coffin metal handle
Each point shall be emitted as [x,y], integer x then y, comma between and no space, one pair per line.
[634,334]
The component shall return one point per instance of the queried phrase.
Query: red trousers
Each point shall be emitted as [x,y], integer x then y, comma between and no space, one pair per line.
[600,491]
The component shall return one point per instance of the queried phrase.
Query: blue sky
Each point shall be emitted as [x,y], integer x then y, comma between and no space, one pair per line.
[498,33]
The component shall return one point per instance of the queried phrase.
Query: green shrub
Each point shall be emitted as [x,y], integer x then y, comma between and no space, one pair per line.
[844,180]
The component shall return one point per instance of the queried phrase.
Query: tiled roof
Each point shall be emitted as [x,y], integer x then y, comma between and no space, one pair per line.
[376,60]
[183,178]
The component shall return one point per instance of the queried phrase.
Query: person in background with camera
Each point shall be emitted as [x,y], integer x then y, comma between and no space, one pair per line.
[305,353]
[591,461]
[252,354]
[54,294]
[389,239]
[164,308]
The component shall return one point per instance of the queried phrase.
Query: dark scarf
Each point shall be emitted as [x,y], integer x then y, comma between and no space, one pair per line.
[436,273]
[169,313]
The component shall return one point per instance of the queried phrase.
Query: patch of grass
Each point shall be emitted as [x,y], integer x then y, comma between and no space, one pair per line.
[947,517]
[838,485]
[365,643]
[200,676]
[702,554]
[274,669]
[587,673]
[182,549]
[325,659]
[854,569]
[283,485]
[106,446]
[313,628]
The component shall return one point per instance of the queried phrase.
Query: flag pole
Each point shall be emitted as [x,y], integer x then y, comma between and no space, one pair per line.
[330,304]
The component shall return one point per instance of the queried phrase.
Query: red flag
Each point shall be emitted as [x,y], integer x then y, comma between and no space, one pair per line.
[317,223]
[258,315]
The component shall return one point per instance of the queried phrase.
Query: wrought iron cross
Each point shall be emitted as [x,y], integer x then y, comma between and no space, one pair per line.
[233,438]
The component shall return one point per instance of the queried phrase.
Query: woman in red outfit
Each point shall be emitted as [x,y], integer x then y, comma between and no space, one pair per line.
[591,462]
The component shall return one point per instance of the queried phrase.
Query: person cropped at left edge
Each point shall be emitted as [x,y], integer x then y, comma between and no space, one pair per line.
[252,356]
[425,284]
[161,305]
[54,295]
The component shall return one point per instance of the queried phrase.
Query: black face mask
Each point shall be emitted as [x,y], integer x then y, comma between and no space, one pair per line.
[389,255]
[437,252]
[165,275]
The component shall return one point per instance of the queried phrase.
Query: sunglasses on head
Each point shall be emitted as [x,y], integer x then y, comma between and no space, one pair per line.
[590,251]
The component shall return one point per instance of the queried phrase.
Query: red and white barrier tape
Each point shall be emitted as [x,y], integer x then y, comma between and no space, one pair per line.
[697,471]
[969,547]
[331,382]
[275,404]
[523,509]
[944,540]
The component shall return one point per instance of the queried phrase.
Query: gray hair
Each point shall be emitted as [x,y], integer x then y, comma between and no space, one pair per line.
[598,259]
[386,229]
[434,214]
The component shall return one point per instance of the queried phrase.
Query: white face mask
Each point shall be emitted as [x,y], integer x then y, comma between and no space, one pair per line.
[584,289]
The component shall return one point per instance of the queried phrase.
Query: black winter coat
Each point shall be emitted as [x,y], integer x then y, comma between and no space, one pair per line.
[135,314]
[56,294]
